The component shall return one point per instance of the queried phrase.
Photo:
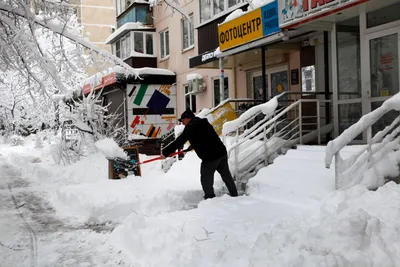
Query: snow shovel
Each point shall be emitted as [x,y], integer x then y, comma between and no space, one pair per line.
[131,164]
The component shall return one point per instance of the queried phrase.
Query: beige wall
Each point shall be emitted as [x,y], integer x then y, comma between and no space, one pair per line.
[97,17]
[178,60]
[294,63]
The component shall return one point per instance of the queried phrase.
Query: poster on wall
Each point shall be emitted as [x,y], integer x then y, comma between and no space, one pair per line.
[151,109]
[295,12]
[221,115]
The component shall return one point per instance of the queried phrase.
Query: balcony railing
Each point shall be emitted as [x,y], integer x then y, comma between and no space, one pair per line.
[136,13]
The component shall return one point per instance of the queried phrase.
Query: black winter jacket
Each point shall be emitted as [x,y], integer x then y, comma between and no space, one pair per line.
[203,139]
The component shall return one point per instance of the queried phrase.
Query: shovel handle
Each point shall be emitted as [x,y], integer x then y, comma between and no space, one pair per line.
[158,158]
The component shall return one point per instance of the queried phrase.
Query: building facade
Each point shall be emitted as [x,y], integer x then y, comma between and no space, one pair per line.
[98,20]
[343,51]
[179,42]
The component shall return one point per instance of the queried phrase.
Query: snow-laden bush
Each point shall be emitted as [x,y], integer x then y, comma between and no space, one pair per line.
[38,142]
[16,140]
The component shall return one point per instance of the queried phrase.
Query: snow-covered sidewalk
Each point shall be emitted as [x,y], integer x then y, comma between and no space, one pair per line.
[291,217]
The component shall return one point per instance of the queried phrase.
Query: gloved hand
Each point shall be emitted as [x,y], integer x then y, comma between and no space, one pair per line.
[187,149]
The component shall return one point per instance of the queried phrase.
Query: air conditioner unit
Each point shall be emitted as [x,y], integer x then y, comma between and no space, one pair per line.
[196,86]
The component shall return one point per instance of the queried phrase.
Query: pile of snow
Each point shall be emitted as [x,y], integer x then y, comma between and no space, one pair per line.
[193,76]
[110,149]
[292,216]
[178,129]
[136,136]
[354,228]
[267,109]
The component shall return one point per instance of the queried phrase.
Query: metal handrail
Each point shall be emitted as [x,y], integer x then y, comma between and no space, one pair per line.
[347,168]
[290,132]
[251,133]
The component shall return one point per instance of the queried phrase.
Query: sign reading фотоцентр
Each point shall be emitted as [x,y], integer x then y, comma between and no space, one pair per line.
[253,25]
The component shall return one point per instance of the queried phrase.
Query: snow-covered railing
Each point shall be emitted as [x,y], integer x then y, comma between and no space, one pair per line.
[374,162]
[258,145]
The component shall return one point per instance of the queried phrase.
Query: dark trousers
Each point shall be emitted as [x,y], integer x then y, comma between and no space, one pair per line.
[207,171]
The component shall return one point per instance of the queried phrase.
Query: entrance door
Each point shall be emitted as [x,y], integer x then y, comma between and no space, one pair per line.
[279,81]
[257,85]
[276,81]
[384,67]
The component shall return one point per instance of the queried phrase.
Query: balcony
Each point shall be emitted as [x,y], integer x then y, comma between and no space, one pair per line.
[136,13]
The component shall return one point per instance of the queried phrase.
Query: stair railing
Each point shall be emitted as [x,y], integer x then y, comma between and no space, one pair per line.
[288,126]
[351,171]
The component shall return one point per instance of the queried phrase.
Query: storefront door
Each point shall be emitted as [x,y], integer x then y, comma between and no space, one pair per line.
[276,81]
[384,67]
[257,85]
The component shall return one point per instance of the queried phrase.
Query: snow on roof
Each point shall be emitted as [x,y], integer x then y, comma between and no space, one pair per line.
[235,14]
[137,54]
[194,76]
[125,28]
[154,71]
[141,2]
[97,78]
[252,6]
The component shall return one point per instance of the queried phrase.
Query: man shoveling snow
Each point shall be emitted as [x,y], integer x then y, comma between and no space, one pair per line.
[209,148]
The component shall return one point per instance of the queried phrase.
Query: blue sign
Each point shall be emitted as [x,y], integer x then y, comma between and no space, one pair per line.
[270,19]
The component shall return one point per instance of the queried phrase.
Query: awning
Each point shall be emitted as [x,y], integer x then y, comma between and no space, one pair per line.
[264,41]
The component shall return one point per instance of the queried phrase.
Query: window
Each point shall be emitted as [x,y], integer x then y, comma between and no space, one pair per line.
[140,42]
[216,90]
[349,59]
[164,43]
[384,15]
[149,44]
[211,8]
[188,33]
[190,100]
[122,5]
[123,48]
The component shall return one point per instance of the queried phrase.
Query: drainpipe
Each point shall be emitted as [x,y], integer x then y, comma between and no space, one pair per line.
[326,72]
[264,74]
[235,92]
[221,79]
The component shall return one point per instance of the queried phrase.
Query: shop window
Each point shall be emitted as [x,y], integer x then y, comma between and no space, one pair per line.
[164,43]
[382,16]
[190,100]
[349,114]
[348,59]
[385,120]
[211,8]
[384,67]
[217,92]
[188,33]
